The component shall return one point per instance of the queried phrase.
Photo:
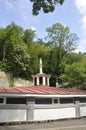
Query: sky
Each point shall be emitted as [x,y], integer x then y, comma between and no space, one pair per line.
[72,14]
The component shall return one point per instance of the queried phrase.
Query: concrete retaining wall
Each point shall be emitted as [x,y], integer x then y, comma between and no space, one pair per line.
[83,110]
[9,115]
[31,112]
[56,113]
[5,80]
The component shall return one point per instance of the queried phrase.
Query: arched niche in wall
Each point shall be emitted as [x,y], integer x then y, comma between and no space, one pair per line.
[35,81]
[40,80]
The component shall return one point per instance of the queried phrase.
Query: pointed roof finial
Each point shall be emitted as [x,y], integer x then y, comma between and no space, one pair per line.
[40,65]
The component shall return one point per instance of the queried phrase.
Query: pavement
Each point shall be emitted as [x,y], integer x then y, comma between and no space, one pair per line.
[71,124]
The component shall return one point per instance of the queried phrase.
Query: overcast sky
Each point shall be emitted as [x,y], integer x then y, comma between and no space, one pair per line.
[72,14]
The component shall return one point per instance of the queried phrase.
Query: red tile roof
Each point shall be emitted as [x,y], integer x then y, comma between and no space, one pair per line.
[40,90]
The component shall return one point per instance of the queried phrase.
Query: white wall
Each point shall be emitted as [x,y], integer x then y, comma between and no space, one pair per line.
[83,111]
[46,114]
[9,115]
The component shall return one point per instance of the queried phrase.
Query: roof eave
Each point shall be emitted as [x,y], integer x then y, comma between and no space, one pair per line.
[41,95]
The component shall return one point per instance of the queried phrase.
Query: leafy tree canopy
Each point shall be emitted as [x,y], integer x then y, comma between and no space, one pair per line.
[59,35]
[61,41]
[46,5]
[74,70]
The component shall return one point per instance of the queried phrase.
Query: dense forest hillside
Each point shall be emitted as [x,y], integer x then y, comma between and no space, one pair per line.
[20,51]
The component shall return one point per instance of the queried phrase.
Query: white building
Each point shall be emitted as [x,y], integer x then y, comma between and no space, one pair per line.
[40,101]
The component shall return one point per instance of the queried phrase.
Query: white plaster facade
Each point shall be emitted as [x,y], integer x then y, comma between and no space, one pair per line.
[83,110]
[33,112]
[54,113]
[12,115]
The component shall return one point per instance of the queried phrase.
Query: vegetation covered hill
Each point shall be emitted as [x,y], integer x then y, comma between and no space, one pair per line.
[20,52]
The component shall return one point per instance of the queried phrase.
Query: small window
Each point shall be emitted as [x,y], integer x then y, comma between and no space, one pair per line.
[66,100]
[55,100]
[1,100]
[43,101]
[82,100]
[16,101]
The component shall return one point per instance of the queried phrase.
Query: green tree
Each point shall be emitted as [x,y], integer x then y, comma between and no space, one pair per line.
[29,36]
[74,70]
[19,58]
[5,35]
[61,41]
[60,36]
[75,75]
[16,57]
[37,50]
[46,5]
